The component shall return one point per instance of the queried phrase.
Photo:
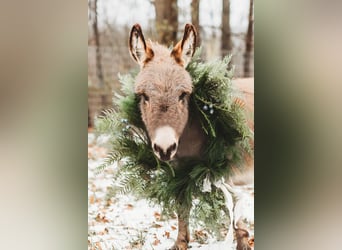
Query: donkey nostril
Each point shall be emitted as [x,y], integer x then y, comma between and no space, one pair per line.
[171,149]
[162,154]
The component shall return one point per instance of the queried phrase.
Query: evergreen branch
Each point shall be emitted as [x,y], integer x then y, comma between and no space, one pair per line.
[212,130]
[175,184]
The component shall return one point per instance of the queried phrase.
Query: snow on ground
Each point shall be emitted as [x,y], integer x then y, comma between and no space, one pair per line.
[124,222]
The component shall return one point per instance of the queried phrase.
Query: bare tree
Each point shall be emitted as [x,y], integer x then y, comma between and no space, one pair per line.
[226,42]
[195,18]
[249,40]
[99,71]
[166,21]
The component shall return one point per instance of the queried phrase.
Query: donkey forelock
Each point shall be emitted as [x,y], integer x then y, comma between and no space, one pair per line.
[164,86]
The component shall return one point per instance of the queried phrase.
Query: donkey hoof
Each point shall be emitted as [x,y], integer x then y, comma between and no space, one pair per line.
[177,248]
[180,246]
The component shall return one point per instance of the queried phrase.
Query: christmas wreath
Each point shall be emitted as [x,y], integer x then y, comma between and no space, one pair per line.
[188,182]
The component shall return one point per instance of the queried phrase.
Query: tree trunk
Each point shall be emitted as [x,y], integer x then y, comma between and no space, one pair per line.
[226,42]
[99,72]
[166,21]
[249,41]
[195,18]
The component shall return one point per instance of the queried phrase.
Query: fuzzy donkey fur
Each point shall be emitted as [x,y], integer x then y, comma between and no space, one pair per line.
[165,86]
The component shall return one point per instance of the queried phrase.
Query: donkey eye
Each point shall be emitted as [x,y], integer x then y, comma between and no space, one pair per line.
[182,96]
[145,97]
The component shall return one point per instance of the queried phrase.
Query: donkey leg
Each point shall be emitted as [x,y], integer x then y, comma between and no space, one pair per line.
[183,237]
[242,236]
[242,240]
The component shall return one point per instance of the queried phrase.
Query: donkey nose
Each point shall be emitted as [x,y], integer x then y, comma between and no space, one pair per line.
[163,154]
[164,143]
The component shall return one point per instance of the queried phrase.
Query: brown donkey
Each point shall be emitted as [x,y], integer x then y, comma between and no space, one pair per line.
[165,87]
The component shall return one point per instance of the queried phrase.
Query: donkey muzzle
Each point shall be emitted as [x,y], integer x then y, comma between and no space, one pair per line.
[165,143]
[165,155]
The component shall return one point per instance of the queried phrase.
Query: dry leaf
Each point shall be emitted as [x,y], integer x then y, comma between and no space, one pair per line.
[98,245]
[129,206]
[167,234]
[105,231]
[156,225]
[201,236]
[157,215]
[101,219]
[91,199]
[109,202]
[156,242]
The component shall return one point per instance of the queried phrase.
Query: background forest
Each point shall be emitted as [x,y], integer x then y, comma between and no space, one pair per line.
[224,27]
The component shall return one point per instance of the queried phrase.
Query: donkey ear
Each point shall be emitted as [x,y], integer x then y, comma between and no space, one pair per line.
[184,49]
[138,48]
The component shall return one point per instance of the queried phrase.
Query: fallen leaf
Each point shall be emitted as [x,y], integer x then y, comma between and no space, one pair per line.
[129,206]
[109,202]
[167,234]
[100,218]
[91,199]
[98,245]
[156,225]
[157,215]
[105,231]
[156,242]
[173,228]
[200,236]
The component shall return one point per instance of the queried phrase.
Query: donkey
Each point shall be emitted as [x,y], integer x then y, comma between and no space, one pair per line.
[165,87]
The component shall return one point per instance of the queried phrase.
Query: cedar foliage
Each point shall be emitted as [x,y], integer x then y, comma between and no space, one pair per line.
[178,184]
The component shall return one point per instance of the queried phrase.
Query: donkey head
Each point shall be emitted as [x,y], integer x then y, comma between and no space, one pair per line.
[164,87]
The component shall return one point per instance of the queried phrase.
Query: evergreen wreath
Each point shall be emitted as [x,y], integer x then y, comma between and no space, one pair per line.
[185,183]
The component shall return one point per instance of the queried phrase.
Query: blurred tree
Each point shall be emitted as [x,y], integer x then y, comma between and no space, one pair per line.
[249,40]
[166,21]
[99,71]
[226,42]
[195,18]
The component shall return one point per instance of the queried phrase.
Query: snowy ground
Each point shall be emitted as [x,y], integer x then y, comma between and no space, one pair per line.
[124,222]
